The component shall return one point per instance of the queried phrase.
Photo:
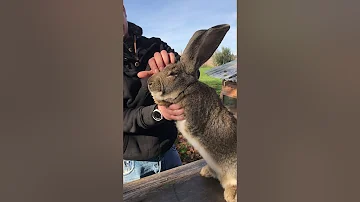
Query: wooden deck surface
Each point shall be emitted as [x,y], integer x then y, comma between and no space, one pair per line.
[181,184]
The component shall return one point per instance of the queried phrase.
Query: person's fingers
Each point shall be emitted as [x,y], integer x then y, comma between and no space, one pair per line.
[170,114]
[164,112]
[159,61]
[172,57]
[177,112]
[177,118]
[144,74]
[165,57]
[173,117]
[153,65]
[174,107]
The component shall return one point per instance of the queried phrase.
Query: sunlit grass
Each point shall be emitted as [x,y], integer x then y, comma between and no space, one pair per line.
[211,81]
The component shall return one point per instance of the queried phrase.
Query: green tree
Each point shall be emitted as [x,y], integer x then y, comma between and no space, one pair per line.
[223,56]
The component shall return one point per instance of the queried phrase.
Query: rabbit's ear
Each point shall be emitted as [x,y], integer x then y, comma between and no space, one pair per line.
[202,45]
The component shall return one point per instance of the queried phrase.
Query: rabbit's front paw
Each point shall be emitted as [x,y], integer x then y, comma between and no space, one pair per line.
[230,194]
[206,171]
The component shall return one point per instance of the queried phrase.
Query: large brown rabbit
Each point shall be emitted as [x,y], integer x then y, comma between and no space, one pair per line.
[208,124]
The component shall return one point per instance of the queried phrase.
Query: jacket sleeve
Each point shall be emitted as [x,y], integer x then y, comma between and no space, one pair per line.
[139,119]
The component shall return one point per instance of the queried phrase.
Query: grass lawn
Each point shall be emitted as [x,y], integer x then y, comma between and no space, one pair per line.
[212,82]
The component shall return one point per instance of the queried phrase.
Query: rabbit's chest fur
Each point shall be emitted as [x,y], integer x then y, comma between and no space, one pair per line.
[182,126]
[208,127]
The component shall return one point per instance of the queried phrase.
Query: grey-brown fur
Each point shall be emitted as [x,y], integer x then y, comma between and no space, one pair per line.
[208,124]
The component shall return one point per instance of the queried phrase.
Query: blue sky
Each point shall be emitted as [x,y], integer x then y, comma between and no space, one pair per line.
[176,21]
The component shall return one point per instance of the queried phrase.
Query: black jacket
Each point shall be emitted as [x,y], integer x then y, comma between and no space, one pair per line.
[144,138]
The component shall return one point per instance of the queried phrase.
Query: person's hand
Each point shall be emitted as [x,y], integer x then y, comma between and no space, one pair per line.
[173,112]
[158,63]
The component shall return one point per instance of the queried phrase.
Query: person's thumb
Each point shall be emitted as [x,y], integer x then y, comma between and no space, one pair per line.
[144,74]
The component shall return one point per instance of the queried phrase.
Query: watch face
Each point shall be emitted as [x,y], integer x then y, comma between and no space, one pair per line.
[157,115]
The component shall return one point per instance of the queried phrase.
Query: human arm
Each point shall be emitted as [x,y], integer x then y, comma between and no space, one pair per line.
[138,120]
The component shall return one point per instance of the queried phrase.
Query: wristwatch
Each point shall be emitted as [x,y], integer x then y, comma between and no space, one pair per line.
[156,114]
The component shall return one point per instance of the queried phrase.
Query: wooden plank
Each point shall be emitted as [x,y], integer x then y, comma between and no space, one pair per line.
[229,83]
[195,189]
[139,189]
[229,89]
[230,92]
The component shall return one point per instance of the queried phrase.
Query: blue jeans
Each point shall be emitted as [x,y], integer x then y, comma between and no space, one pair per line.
[134,170]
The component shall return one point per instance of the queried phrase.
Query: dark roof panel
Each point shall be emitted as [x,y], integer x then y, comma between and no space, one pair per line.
[226,71]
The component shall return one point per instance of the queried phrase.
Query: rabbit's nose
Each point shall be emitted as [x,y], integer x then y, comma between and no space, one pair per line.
[150,83]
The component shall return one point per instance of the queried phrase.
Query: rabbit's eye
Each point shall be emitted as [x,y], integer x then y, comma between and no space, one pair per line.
[174,74]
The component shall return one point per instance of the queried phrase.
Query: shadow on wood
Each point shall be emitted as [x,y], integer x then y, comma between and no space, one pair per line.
[181,184]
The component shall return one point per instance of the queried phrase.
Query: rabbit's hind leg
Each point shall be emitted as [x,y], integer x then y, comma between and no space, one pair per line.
[206,171]
[229,183]
[230,193]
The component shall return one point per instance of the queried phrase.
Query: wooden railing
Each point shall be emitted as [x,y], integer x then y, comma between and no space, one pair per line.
[179,184]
